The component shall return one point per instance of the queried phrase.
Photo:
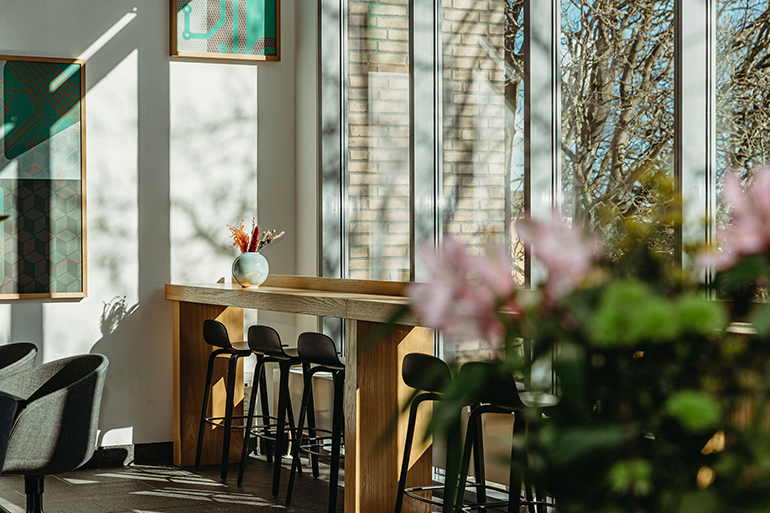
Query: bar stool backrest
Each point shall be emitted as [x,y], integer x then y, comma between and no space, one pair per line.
[215,334]
[425,372]
[265,340]
[319,349]
[492,385]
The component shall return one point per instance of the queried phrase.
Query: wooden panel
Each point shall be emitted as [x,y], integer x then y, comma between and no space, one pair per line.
[380,310]
[262,298]
[191,355]
[375,394]
[382,288]
[343,305]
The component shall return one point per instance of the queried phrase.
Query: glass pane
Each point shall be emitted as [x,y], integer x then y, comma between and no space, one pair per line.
[617,71]
[378,135]
[483,126]
[743,90]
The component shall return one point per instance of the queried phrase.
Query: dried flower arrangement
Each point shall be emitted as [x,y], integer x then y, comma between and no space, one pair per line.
[253,243]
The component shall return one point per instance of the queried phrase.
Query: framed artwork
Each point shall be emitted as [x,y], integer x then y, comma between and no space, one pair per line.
[42,178]
[226,29]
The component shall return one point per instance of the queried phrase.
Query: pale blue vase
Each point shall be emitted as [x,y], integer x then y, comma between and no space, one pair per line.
[250,269]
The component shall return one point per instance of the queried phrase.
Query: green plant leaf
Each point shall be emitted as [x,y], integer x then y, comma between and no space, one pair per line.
[760,319]
[696,315]
[696,411]
[704,501]
[632,476]
[630,313]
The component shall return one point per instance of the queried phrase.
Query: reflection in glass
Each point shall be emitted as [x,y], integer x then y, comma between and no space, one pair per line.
[378,136]
[743,90]
[483,158]
[617,90]
[483,128]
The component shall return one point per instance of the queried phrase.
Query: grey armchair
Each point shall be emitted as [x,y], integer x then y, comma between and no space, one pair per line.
[7,414]
[56,422]
[16,357]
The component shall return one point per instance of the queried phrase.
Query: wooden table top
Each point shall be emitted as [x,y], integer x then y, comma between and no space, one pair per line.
[361,300]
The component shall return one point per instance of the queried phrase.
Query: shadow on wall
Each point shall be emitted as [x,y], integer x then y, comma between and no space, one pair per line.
[119,410]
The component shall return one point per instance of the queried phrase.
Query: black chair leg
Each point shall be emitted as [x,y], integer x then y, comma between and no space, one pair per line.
[465,462]
[206,395]
[267,446]
[478,465]
[407,453]
[307,394]
[310,414]
[515,479]
[283,393]
[33,488]
[230,398]
[249,420]
[531,498]
[337,418]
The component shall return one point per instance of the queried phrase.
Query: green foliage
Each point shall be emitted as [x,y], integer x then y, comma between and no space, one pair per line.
[662,407]
[695,411]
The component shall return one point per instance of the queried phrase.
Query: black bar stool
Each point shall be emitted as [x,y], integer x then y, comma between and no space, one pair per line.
[266,343]
[498,393]
[432,376]
[215,334]
[319,350]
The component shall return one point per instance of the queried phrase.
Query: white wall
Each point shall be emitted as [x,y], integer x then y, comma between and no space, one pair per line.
[174,150]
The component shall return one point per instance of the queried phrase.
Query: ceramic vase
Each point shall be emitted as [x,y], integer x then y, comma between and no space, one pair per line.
[250,269]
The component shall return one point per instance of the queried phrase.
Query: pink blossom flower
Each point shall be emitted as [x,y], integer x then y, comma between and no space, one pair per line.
[463,297]
[749,233]
[567,253]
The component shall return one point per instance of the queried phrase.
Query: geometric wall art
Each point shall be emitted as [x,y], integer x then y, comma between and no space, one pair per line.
[42,178]
[226,29]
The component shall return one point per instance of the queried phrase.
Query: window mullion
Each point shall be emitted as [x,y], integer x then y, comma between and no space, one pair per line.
[694,149]
[542,116]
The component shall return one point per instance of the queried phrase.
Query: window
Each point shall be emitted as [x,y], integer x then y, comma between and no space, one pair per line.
[463,116]
[378,195]
[742,89]
[617,110]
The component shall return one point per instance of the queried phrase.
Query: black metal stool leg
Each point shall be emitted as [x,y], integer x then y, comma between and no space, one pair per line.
[283,393]
[267,446]
[249,420]
[311,421]
[530,498]
[337,418]
[407,453]
[307,393]
[466,460]
[478,464]
[292,427]
[230,398]
[206,395]
[515,480]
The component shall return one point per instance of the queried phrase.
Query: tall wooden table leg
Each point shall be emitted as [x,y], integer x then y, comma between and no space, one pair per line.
[191,354]
[374,397]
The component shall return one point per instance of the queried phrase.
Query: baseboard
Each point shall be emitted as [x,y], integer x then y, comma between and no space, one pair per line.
[156,453]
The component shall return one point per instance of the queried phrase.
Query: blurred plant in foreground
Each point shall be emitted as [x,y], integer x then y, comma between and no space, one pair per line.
[663,404]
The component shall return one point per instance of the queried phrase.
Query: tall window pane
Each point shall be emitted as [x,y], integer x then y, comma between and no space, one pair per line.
[743,89]
[378,137]
[617,71]
[483,127]
[483,124]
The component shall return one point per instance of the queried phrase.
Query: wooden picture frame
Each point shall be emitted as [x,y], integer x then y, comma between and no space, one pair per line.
[229,30]
[42,178]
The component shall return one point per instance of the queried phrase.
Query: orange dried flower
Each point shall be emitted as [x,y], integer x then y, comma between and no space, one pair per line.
[240,239]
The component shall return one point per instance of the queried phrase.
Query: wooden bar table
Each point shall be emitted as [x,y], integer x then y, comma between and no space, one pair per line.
[374,391]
